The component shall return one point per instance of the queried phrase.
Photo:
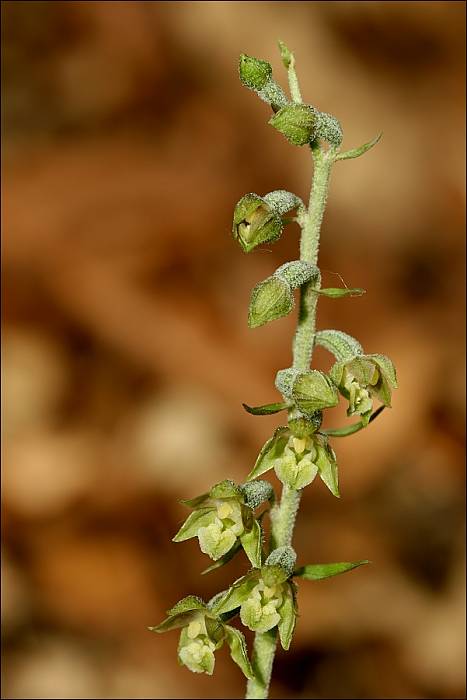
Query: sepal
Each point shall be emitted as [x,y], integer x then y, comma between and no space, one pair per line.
[288,616]
[238,650]
[327,466]
[252,543]
[270,452]
[238,592]
[196,520]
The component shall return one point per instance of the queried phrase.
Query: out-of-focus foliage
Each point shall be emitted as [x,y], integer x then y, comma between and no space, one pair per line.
[126,354]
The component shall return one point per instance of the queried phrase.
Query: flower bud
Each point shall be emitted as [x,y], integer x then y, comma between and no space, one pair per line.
[270,299]
[254,73]
[297,122]
[255,222]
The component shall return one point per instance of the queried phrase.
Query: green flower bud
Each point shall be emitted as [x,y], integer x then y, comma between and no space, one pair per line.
[255,222]
[259,219]
[254,73]
[297,122]
[270,299]
[273,298]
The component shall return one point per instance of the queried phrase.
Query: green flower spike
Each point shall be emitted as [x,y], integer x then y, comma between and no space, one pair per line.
[223,521]
[202,633]
[266,597]
[362,378]
[298,460]
[258,219]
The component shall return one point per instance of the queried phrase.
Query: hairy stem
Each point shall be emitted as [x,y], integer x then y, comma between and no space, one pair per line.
[309,246]
[283,516]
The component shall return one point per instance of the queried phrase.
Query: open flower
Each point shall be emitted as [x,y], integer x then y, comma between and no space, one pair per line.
[223,520]
[298,460]
[363,378]
[266,596]
[202,633]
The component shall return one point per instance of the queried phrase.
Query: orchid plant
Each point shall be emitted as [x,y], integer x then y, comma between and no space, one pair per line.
[230,517]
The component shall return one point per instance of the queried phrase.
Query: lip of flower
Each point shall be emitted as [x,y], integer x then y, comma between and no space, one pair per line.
[196,649]
[217,538]
[260,611]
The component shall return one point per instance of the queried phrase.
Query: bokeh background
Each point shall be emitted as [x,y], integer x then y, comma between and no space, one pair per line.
[127,139]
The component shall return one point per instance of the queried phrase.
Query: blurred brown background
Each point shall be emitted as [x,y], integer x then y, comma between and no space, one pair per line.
[127,139]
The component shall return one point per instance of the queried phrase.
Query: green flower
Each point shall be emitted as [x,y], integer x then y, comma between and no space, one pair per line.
[260,612]
[266,597]
[223,520]
[298,460]
[363,378]
[202,633]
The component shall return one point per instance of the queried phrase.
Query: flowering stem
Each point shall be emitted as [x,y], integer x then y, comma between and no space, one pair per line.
[283,516]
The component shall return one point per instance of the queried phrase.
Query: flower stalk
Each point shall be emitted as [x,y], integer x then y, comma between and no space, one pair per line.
[228,519]
[284,515]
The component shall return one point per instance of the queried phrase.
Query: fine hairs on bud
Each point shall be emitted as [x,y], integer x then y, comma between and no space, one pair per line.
[246,521]
[256,493]
[284,557]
